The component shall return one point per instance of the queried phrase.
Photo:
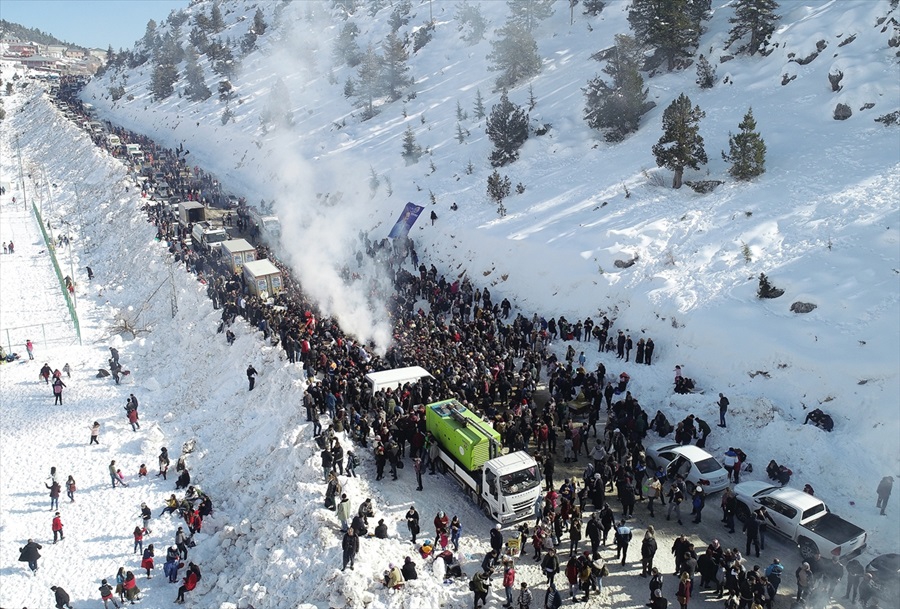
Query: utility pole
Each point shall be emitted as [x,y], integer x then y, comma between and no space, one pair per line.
[49,203]
[21,175]
[172,283]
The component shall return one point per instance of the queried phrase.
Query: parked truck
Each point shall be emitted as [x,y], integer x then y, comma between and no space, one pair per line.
[206,238]
[190,212]
[265,226]
[504,486]
[802,518]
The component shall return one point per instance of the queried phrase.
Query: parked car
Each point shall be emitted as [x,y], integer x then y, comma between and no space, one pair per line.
[695,464]
[885,570]
[802,518]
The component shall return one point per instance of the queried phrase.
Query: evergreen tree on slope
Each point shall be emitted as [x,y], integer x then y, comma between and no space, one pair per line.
[671,26]
[507,128]
[755,18]
[746,150]
[616,108]
[514,55]
[681,144]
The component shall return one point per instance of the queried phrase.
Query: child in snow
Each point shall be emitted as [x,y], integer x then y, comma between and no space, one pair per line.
[147,560]
[70,489]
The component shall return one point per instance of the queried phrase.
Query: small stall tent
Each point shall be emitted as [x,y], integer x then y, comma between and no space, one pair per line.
[262,276]
[236,253]
[392,379]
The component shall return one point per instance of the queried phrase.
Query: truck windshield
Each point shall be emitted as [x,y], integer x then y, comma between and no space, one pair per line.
[520,481]
[216,237]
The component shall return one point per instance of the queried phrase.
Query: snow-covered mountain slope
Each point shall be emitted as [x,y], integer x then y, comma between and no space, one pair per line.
[822,222]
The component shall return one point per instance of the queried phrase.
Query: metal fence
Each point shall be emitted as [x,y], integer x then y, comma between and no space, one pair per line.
[54,333]
[70,304]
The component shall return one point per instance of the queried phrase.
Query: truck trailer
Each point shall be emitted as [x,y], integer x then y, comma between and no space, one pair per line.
[504,486]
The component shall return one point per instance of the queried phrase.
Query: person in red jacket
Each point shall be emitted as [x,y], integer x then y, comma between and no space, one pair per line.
[147,560]
[441,523]
[57,527]
[509,579]
[190,582]
[130,587]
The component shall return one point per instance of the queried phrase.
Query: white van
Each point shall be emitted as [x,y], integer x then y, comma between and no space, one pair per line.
[269,226]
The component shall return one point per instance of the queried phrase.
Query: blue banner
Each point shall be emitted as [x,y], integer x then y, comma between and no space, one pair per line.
[407,219]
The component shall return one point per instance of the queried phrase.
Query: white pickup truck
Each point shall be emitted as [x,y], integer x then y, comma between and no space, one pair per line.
[801,518]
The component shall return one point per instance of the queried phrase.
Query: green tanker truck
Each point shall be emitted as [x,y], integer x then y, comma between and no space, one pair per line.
[505,486]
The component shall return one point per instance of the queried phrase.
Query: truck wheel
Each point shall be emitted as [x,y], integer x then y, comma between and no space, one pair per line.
[442,467]
[742,512]
[484,507]
[808,549]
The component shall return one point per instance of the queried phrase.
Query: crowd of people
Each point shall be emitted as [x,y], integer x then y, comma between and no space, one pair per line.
[492,359]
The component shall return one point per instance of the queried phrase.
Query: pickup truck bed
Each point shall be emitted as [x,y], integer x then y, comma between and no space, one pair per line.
[834,529]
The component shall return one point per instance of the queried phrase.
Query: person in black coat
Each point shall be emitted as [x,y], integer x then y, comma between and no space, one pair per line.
[648,551]
[350,547]
[751,528]
[497,538]
[30,555]
[184,480]
[648,351]
[251,376]
[409,569]
[62,598]
[381,530]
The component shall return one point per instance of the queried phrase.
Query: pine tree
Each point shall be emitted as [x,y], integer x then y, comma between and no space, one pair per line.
[478,110]
[594,7]
[162,81]
[766,289]
[668,26]
[400,15]
[216,22]
[225,64]
[226,90]
[706,74]
[756,18]
[616,108]
[278,110]
[369,81]
[169,50]
[412,152]
[199,40]
[460,114]
[259,23]
[422,36]
[507,128]
[528,13]
[345,47]
[470,22]
[196,89]
[348,7]
[498,188]
[461,133]
[746,150]
[248,42]
[151,37]
[375,6]
[681,144]
[201,21]
[514,55]
[396,71]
